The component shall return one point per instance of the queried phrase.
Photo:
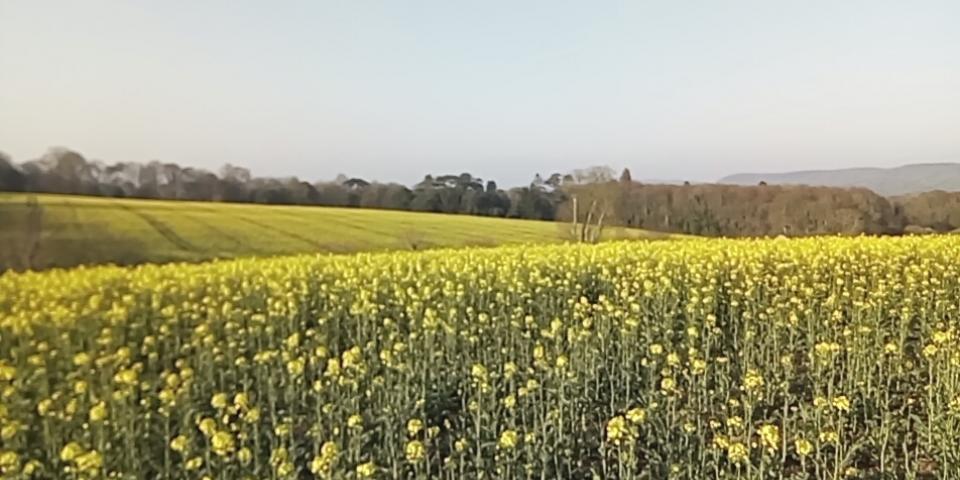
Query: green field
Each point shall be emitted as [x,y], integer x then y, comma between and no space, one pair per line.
[67,230]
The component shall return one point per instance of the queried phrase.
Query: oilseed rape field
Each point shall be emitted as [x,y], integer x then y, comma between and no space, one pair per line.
[44,231]
[820,358]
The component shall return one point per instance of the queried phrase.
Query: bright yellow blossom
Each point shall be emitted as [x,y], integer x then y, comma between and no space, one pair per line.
[98,412]
[366,470]
[414,451]
[803,447]
[219,401]
[508,439]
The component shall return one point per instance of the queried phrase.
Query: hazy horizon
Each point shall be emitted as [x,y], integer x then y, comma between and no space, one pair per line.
[392,91]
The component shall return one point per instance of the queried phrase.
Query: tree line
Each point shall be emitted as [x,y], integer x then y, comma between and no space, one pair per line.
[732,211]
[699,209]
[65,171]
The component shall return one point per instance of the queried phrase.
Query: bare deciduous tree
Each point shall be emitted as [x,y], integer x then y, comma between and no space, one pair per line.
[588,231]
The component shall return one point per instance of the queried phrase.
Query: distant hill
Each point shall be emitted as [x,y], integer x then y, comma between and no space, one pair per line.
[916,178]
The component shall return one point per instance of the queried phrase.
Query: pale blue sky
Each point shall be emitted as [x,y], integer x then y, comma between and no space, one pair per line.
[391,90]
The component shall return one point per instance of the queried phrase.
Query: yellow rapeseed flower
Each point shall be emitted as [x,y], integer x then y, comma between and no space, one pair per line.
[81,359]
[179,444]
[71,451]
[319,466]
[222,443]
[479,373]
[98,412]
[753,381]
[414,426]
[193,464]
[219,401]
[673,359]
[769,436]
[737,452]
[414,451]
[7,372]
[509,370]
[295,367]
[9,461]
[829,437]
[207,426]
[367,470]
[508,439]
[9,429]
[244,456]
[355,421]
[668,385]
[636,415]
[89,462]
[803,447]
[618,430]
[252,415]
[241,400]
[841,403]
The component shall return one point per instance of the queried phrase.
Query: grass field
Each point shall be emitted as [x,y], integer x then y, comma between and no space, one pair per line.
[75,230]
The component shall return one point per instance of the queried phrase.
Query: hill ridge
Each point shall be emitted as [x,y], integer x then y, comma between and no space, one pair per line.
[889,181]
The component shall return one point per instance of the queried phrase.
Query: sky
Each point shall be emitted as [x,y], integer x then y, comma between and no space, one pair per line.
[392,90]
